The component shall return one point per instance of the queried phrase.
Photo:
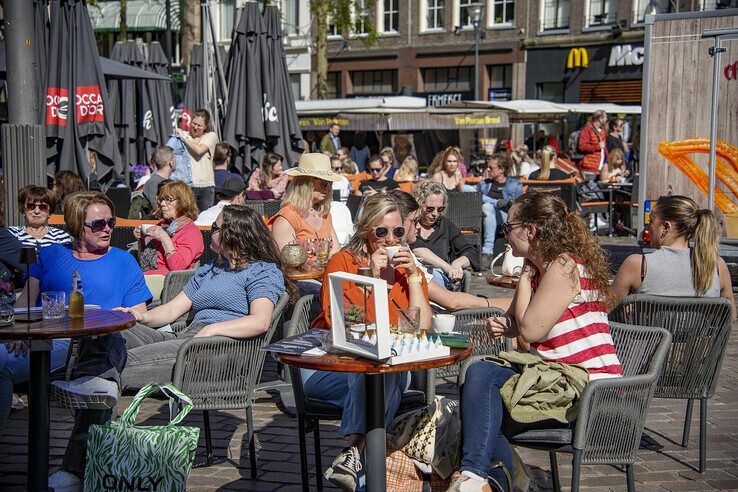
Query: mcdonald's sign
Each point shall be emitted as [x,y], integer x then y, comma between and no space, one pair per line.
[578,58]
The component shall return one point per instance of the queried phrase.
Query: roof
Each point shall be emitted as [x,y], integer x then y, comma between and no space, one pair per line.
[141,15]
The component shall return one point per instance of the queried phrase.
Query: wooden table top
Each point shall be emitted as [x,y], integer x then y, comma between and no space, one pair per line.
[95,322]
[309,271]
[354,363]
[506,281]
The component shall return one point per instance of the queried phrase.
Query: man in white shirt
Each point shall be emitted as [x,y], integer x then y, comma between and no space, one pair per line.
[233,192]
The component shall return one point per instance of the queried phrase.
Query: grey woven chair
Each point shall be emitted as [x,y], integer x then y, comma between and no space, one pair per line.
[174,283]
[255,205]
[311,411]
[700,328]
[473,322]
[220,373]
[265,207]
[465,211]
[612,412]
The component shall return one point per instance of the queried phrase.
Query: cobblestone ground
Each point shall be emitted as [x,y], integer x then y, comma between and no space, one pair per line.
[662,465]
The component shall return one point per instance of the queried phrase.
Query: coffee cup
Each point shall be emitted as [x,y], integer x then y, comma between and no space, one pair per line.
[146,227]
[443,323]
[391,251]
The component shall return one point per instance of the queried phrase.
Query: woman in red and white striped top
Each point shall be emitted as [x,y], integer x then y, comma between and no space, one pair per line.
[559,309]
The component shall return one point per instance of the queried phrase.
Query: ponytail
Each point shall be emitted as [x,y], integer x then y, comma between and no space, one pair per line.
[704,257]
[547,156]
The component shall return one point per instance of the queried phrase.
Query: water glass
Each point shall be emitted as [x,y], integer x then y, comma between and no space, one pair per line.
[408,321]
[323,250]
[53,304]
[7,313]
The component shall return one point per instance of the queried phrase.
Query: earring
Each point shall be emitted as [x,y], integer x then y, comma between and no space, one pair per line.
[663,234]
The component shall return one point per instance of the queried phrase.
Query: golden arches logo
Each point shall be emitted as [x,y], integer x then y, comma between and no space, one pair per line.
[578,57]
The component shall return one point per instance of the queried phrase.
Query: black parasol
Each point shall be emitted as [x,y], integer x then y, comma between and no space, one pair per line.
[158,110]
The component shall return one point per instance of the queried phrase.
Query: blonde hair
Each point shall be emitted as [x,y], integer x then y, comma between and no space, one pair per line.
[388,152]
[693,222]
[299,194]
[180,191]
[75,209]
[374,210]
[408,171]
[612,157]
[428,187]
[548,154]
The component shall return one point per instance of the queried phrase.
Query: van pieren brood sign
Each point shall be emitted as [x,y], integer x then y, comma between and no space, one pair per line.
[625,55]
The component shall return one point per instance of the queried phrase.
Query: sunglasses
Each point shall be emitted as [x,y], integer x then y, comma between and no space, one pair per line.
[397,232]
[374,170]
[506,227]
[99,224]
[168,200]
[430,210]
[44,207]
[214,228]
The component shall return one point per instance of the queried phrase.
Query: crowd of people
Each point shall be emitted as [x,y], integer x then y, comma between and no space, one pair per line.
[558,311]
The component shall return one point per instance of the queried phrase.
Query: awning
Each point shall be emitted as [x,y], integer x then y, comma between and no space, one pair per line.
[349,122]
[141,15]
[536,107]
[431,120]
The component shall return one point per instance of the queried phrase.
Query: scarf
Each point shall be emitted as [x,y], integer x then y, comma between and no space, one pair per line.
[148,257]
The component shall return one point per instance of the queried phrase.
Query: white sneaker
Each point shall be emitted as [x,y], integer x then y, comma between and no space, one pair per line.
[345,469]
[87,393]
[463,483]
[17,404]
[63,481]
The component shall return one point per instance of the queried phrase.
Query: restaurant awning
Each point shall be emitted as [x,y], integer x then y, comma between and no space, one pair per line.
[537,107]
[141,15]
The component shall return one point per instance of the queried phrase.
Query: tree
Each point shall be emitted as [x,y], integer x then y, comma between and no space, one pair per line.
[123,32]
[343,15]
[191,33]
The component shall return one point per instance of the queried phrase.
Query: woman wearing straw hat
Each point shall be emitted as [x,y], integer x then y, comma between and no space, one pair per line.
[306,206]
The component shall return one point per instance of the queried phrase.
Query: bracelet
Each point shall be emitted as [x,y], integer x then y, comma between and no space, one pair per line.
[415,278]
[488,303]
[170,253]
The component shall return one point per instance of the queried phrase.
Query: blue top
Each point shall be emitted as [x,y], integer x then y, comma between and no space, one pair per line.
[360,157]
[221,294]
[111,281]
[512,189]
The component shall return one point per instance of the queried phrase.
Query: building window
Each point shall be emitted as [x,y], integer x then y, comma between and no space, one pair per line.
[291,13]
[643,6]
[602,12]
[717,4]
[374,81]
[332,29]
[500,82]
[465,19]
[555,14]
[434,15]
[550,91]
[362,20]
[502,13]
[391,15]
[225,20]
[295,85]
[334,85]
[447,79]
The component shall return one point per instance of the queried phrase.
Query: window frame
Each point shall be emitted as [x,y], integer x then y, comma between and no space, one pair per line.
[491,20]
[556,28]
[439,14]
[426,71]
[393,81]
[394,15]
[604,11]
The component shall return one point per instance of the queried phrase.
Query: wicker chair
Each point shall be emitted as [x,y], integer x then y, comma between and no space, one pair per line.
[122,236]
[465,211]
[220,373]
[174,283]
[311,411]
[612,411]
[208,254]
[473,322]
[700,328]
[256,205]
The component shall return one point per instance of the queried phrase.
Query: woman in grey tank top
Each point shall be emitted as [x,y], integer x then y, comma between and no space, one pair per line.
[675,268]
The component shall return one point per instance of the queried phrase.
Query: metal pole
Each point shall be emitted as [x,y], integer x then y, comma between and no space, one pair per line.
[476,60]
[714,52]
[22,66]
[376,437]
[218,64]
[204,41]
[168,34]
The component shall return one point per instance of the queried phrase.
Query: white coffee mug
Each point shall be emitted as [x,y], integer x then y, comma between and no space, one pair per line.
[392,251]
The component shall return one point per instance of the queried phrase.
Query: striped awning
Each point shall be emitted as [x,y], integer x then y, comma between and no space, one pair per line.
[447,121]
[141,15]
[369,122]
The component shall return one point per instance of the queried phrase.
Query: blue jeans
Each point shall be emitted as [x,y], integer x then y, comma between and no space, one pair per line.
[346,390]
[15,369]
[443,279]
[482,412]
[492,218]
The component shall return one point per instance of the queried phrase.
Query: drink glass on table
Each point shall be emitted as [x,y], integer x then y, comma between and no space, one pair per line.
[323,249]
[53,304]
[408,320]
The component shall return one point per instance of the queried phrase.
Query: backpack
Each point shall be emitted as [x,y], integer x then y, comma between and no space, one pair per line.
[140,206]
[572,146]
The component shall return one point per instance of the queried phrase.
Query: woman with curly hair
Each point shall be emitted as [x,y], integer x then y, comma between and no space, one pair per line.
[232,296]
[559,308]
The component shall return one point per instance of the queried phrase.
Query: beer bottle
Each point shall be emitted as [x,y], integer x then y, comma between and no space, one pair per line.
[76,298]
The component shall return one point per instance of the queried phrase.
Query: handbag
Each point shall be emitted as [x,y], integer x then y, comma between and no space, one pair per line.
[512,266]
[122,455]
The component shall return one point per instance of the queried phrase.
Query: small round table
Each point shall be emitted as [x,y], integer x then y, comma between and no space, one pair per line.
[306,272]
[376,475]
[506,281]
[40,333]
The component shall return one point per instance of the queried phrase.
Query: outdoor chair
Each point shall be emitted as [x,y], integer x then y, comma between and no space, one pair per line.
[174,283]
[220,373]
[255,205]
[700,328]
[311,411]
[353,202]
[122,236]
[465,211]
[566,189]
[612,411]
[474,323]
[121,198]
[208,254]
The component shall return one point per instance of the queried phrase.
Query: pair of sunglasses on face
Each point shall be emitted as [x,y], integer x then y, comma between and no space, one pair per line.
[99,224]
[430,210]
[382,232]
[506,227]
[43,207]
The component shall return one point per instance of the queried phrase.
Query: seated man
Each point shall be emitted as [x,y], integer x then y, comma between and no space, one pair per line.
[499,192]
[233,192]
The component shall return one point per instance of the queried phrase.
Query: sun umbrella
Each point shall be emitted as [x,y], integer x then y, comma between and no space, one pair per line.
[243,127]
[124,99]
[194,98]
[288,139]
[158,115]
[78,116]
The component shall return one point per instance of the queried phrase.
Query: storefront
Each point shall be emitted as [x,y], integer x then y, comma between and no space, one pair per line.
[610,73]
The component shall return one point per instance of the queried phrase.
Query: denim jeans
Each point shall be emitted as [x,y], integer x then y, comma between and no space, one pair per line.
[15,369]
[442,278]
[493,217]
[346,390]
[482,413]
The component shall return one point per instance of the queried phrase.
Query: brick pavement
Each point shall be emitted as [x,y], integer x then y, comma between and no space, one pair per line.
[664,465]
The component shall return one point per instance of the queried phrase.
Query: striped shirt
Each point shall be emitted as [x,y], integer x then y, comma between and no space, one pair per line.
[54,235]
[582,335]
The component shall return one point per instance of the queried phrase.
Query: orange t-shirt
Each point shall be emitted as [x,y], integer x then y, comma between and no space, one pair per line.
[356,179]
[343,261]
[303,229]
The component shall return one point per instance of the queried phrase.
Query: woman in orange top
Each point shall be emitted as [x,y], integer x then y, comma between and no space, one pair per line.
[306,206]
[379,227]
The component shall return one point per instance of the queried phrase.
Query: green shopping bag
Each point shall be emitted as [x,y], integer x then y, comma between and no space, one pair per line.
[124,456]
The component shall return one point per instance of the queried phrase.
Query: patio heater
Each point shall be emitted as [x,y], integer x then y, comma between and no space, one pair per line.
[476,10]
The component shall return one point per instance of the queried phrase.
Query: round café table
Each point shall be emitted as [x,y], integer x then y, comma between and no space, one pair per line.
[41,333]
[506,281]
[374,371]
[309,271]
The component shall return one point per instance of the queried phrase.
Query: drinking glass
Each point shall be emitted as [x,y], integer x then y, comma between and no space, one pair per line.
[408,320]
[53,304]
[323,248]
[7,313]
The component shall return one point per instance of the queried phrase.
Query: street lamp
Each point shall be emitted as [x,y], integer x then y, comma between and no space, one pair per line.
[475,15]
